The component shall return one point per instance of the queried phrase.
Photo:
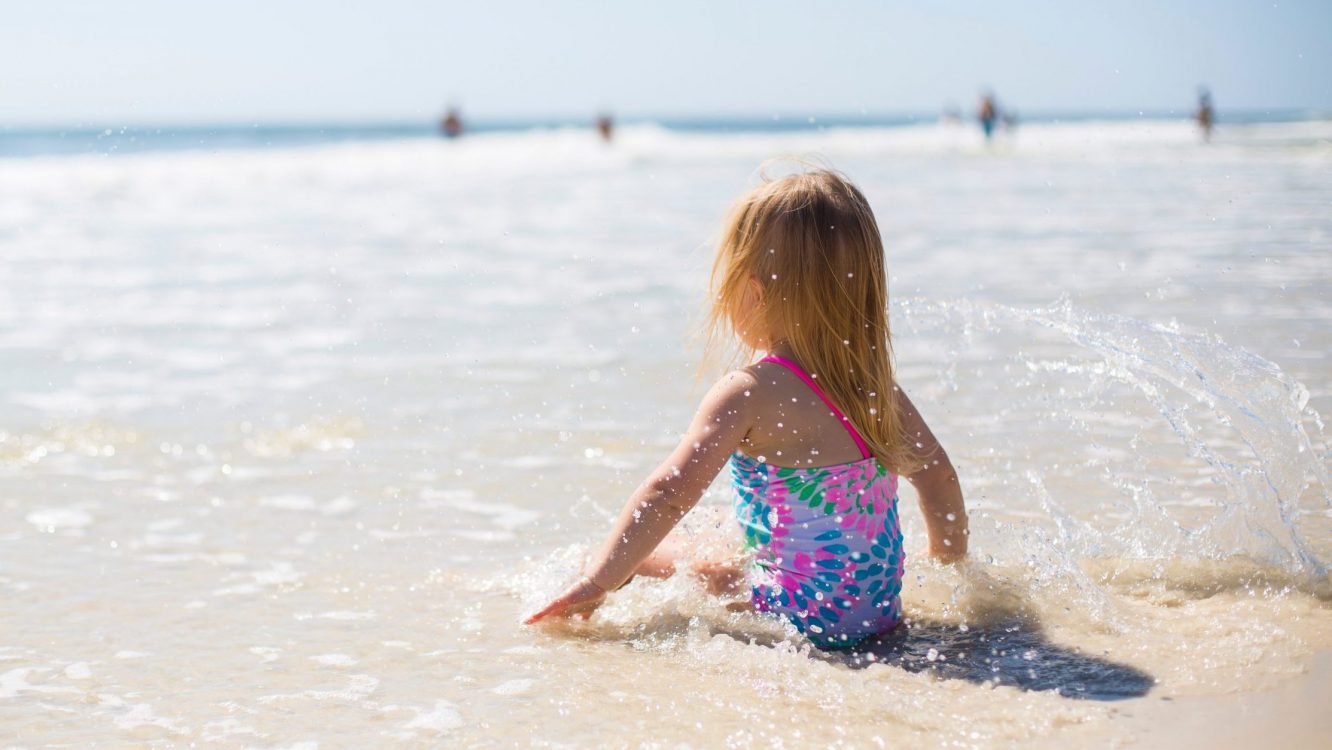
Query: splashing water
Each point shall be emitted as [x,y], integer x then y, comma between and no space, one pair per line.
[1241,423]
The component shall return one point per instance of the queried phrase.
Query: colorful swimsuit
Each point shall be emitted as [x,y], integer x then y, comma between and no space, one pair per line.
[826,542]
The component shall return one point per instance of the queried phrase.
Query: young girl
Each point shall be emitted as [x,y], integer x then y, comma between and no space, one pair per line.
[816,431]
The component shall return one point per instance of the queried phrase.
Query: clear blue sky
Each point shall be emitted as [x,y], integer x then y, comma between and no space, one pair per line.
[262,60]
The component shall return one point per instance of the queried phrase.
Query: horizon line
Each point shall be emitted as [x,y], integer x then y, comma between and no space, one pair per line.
[810,119]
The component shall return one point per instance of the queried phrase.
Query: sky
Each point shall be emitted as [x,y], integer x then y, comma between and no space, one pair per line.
[146,61]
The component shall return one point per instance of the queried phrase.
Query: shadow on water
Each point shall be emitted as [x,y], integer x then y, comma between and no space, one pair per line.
[1011,652]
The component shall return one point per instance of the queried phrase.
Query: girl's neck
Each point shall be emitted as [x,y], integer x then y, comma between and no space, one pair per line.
[781,349]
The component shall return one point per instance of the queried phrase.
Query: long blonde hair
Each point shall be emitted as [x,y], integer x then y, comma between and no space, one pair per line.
[811,242]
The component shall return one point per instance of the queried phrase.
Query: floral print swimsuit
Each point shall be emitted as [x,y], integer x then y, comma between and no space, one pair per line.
[825,542]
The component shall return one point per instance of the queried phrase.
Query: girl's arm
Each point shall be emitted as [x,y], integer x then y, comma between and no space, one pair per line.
[937,486]
[723,420]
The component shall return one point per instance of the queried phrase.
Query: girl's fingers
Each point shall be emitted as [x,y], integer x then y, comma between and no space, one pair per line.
[574,602]
[554,608]
[558,608]
[538,615]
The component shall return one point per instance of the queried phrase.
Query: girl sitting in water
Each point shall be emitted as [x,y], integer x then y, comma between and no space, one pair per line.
[816,431]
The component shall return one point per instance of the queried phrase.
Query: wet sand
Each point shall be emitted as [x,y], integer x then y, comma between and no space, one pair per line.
[1294,716]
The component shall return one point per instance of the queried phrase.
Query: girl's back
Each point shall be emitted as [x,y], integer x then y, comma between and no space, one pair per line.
[820,516]
[792,425]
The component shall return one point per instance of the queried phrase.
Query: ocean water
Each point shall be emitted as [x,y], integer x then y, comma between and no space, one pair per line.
[291,435]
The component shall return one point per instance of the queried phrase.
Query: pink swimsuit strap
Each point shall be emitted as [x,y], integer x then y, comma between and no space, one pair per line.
[850,428]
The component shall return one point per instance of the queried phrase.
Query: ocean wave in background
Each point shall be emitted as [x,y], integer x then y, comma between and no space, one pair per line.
[1284,129]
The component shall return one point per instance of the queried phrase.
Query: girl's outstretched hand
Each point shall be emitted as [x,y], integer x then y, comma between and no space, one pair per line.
[579,599]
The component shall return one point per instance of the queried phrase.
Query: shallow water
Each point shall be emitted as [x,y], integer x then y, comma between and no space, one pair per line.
[289,439]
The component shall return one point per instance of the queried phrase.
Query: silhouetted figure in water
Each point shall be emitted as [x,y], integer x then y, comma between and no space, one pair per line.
[1205,114]
[988,114]
[605,126]
[452,125]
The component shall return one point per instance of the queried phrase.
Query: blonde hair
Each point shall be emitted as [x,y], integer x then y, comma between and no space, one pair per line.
[811,242]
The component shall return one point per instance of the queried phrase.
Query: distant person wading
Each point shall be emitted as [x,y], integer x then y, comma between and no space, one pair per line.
[988,114]
[1205,115]
[452,125]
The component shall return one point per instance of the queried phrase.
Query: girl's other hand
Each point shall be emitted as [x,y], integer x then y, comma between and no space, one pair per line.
[580,599]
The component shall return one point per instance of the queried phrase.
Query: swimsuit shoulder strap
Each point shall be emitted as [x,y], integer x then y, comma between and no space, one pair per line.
[846,423]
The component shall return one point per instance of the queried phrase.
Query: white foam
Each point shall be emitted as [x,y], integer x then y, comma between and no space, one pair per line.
[388,535]
[359,687]
[507,517]
[142,715]
[442,718]
[334,660]
[266,654]
[15,681]
[79,670]
[338,506]
[289,502]
[57,519]
[348,615]
[513,687]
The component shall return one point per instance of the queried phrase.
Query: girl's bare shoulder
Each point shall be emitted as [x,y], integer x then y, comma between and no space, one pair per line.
[733,395]
[768,385]
[736,384]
